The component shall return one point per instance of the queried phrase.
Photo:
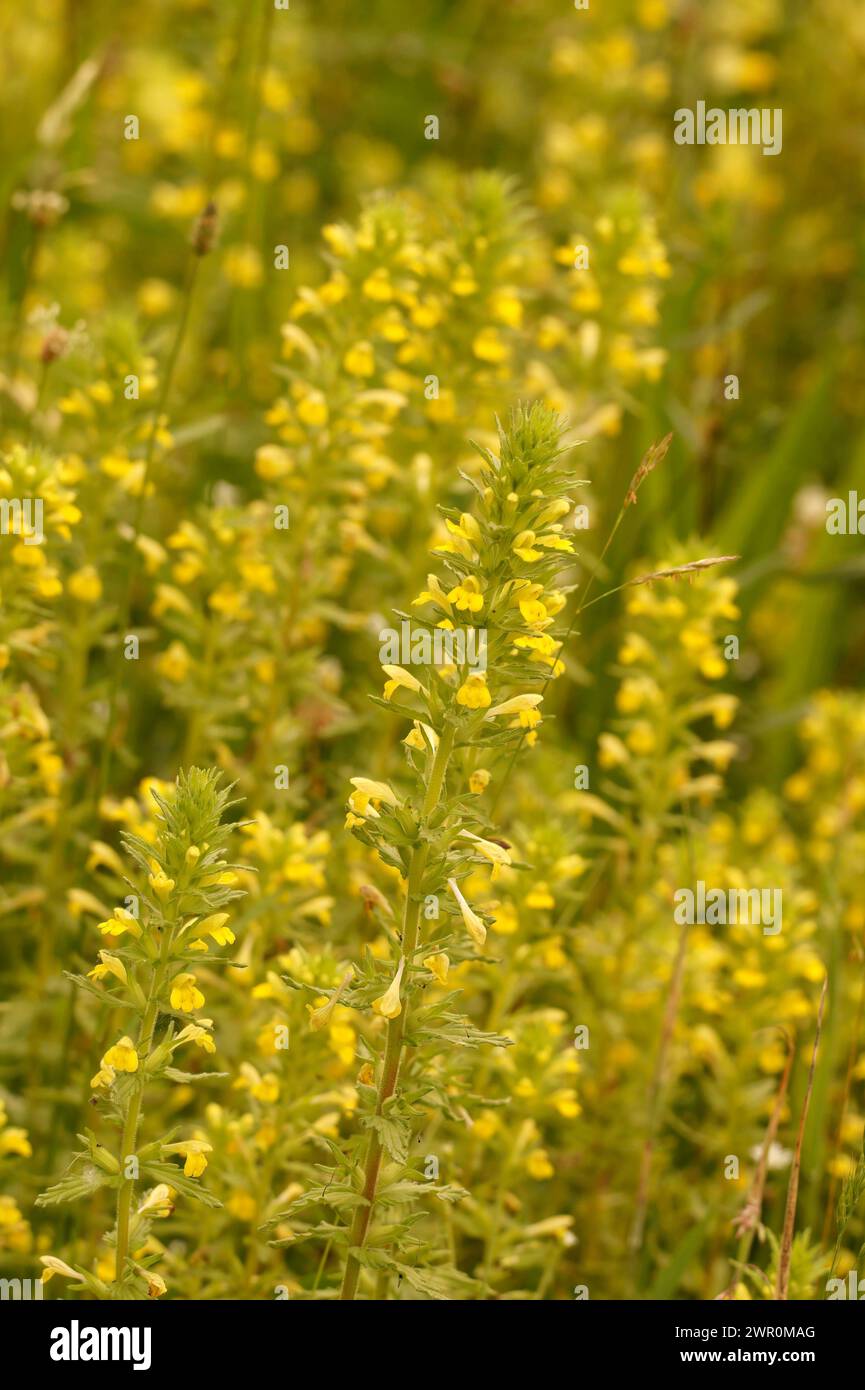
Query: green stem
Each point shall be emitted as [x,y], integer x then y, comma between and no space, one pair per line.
[133,1112]
[396,1026]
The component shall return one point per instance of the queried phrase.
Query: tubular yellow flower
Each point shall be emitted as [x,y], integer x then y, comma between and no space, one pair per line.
[109,965]
[214,926]
[51,1266]
[400,677]
[517,705]
[378,791]
[159,1202]
[389,1004]
[319,1018]
[474,926]
[194,1152]
[496,854]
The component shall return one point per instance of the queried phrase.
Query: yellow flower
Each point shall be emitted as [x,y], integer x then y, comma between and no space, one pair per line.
[272,461]
[473,693]
[51,1266]
[489,346]
[377,791]
[156,1285]
[185,996]
[438,965]
[479,780]
[215,926]
[123,1056]
[496,854]
[400,677]
[320,1017]
[467,595]
[519,704]
[474,926]
[174,663]
[540,897]
[194,1152]
[85,585]
[360,360]
[538,1165]
[109,965]
[200,1036]
[162,886]
[159,1202]
[243,267]
[242,1206]
[389,1004]
[14,1141]
[534,612]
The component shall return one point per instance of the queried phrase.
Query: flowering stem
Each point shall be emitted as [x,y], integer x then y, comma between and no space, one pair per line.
[396,1026]
[133,1113]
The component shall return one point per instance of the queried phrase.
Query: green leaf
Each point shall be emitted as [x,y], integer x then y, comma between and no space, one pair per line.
[176,1178]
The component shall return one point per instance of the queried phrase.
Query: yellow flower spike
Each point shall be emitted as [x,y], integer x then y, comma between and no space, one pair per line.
[474,693]
[162,886]
[389,1004]
[438,965]
[185,996]
[474,926]
[123,1056]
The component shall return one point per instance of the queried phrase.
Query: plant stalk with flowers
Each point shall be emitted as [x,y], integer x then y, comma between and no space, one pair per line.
[503,563]
[164,928]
